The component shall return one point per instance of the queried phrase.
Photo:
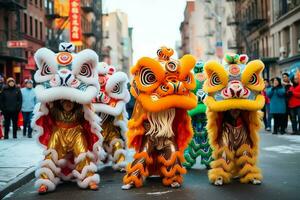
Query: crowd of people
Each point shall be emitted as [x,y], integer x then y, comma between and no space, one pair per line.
[13,101]
[282,97]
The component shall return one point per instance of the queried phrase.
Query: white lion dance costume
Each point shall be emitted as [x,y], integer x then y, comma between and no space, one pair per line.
[110,105]
[233,118]
[69,129]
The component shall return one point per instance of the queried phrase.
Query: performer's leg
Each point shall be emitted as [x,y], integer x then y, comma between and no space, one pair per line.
[119,154]
[7,118]
[116,148]
[171,160]
[205,150]
[137,171]
[222,166]
[48,171]
[29,125]
[191,153]
[246,163]
[25,122]
[15,117]
[85,170]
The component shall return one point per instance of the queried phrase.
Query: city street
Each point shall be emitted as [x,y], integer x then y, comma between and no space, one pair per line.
[279,160]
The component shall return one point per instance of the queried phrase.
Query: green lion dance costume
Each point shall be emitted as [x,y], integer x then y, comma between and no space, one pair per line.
[233,118]
[199,146]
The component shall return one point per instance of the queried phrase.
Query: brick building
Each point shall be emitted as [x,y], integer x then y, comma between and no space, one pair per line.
[20,20]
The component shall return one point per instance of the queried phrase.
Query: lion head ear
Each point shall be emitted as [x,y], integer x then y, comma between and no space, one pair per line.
[46,64]
[187,63]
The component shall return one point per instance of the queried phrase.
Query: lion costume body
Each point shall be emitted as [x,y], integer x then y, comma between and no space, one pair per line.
[110,105]
[160,128]
[233,103]
[199,145]
[71,138]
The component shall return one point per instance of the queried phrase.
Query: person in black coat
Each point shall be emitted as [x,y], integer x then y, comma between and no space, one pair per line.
[11,103]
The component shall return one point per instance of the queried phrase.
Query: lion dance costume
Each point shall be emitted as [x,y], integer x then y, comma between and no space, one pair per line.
[68,128]
[160,128]
[110,105]
[199,145]
[233,102]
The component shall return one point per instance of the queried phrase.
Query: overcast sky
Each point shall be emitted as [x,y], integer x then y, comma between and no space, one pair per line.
[155,22]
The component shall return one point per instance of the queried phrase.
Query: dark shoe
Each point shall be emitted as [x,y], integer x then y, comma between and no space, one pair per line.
[274,133]
[29,136]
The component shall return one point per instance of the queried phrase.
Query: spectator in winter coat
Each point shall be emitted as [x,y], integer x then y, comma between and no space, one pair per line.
[1,116]
[277,105]
[11,102]
[2,85]
[266,108]
[28,103]
[294,104]
[286,83]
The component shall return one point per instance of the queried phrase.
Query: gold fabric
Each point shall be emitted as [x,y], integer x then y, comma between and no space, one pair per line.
[111,132]
[69,140]
[116,147]
[68,136]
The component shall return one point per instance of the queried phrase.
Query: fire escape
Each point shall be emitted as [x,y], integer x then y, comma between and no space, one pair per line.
[208,17]
[55,37]
[93,30]
[233,23]
[248,22]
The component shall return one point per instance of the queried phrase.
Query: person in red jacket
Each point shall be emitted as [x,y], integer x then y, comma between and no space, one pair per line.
[294,104]
[266,109]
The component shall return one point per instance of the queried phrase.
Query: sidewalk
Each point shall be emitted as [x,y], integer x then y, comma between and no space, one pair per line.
[18,158]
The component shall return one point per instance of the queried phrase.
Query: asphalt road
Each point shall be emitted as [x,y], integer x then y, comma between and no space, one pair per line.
[279,160]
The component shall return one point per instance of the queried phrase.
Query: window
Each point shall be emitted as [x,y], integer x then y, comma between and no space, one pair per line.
[41,4]
[36,3]
[25,23]
[31,24]
[41,30]
[288,42]
[36,27]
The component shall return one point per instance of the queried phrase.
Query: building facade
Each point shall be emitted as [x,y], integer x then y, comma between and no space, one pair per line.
[117,40]
[20,21]
[285,35]
[270,31]
[58,24]
[204,31]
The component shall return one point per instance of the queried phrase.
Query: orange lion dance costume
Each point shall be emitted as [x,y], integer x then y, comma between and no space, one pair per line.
[160,128]
[233,118]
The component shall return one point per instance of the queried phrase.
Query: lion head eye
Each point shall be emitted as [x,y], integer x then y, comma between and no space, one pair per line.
[215,80]
[86,70]
[253,80]
[45,69]
[147,77]
[117,89]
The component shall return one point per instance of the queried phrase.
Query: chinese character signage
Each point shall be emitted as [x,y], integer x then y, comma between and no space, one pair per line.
[17,44]
[75,22]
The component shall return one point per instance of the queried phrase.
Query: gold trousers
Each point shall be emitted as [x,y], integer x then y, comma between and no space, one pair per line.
[66,142]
